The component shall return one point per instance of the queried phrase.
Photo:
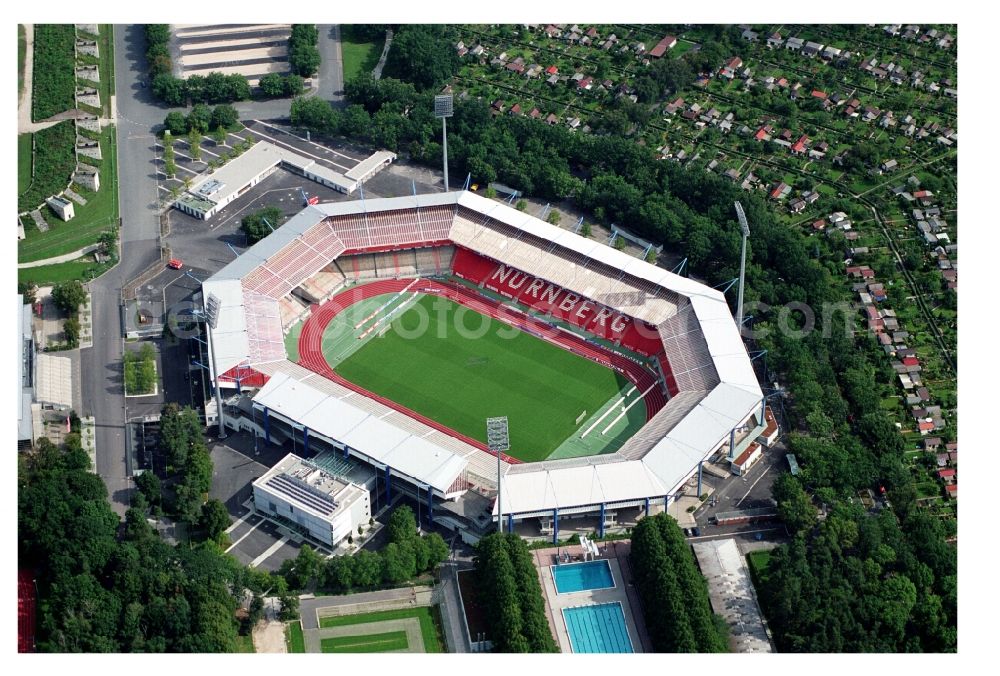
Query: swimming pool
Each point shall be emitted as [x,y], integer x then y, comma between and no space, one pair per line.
[577,577]
[597,629]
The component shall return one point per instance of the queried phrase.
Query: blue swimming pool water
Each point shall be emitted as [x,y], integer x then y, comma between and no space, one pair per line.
[597,629]
[576,577]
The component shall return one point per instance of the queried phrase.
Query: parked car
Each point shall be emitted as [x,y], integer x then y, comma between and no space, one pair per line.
[175,264]
[696,531]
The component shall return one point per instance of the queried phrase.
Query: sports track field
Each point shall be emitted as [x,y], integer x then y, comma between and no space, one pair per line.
[461,377]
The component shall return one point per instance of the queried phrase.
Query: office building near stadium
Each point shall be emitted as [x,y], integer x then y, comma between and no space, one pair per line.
[306,340]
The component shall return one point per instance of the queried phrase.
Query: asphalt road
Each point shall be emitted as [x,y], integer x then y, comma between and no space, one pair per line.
[331,65]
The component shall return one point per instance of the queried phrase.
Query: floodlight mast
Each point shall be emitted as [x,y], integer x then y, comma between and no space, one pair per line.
[444,108]
[212,306]
[745,229]
[498,441]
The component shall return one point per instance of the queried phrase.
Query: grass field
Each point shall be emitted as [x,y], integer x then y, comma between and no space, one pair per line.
[245,644]
[51,274]
[99,214]
[366,643]
[23,162]
[359,56]
[430,623]
[294,639]
[460,378]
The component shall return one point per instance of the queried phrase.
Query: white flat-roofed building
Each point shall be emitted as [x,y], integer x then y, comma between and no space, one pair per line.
[206,197]
[324,507]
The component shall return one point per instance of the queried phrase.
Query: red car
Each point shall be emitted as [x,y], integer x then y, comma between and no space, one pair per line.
[175,264]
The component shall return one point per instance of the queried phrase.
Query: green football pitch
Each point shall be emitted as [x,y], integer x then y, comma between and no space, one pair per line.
[367,643]
[461,376]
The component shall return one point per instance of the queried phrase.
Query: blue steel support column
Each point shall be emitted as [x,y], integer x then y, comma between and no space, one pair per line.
[647,507]
[430,506]
[763,409]
[305,441]
[732,443]
[267,426]
[347,452]
[510,523]
[699,478]
[555,525]
[388,484]
[600,527]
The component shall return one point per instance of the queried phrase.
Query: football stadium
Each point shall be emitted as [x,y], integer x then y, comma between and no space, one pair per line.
[382,333]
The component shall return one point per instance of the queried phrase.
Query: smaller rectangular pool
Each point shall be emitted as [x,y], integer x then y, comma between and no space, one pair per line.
[577,577]
[597,629]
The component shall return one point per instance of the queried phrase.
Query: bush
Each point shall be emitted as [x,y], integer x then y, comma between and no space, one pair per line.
[226,117]
[255,227]
[53,78]
[139,370]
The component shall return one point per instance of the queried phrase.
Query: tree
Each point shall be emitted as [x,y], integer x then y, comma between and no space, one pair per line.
[149,485]
[794,506]
[219,136]
[292,85]
[402,526]
[271,85]
[260,224]
[214,519]
[175,123]
[312,113]
[522,205]
[71,330]
[437,550]
[69,296]
[586,230]
[200,118]
[422,54]
[289,607]
[554,217]
[29,291]
[620,243]
[303,56]
[225,116]
[169,89]
[194,143]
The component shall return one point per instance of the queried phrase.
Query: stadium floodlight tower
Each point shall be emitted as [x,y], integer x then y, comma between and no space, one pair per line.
[212,306]
[444,106]
[745,228]
[498,440]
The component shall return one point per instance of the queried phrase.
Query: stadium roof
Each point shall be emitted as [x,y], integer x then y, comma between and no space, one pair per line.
[718,389]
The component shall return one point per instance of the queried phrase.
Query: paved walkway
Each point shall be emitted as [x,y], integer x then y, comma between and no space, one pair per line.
[65,258]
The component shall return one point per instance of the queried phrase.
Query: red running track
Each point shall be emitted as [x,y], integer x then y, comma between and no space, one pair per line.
[311,344]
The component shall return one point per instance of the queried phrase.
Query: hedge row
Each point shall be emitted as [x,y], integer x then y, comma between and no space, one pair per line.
[55,161]
[53,77]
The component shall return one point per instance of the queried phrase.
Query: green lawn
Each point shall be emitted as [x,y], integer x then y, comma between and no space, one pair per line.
[99,214]
[23,162]
[460,380]
[757,562]
[430,623]
[359,56]
[50,274]
[366,643]
[245,644]
[294,639]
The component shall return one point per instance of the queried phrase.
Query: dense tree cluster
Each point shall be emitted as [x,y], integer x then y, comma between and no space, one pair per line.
[98,592]
[260,224]
[673,592]
[182,440]
[215,87]
[423,54]
[303,55]
[405,556]
[507,582]
[202,118]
